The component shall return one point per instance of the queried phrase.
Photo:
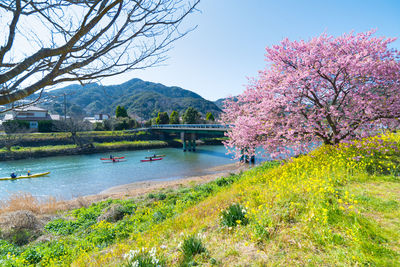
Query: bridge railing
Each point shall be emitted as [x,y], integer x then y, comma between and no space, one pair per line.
[197,126]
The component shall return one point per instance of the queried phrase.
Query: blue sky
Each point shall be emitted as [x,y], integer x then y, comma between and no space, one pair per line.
[229,43]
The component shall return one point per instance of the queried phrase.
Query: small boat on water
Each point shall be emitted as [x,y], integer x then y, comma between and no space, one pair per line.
[155,156]
[114,161]
[25,176]
[112,158]
[150,159]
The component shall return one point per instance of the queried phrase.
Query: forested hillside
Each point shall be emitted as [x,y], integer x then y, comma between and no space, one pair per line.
[141,98]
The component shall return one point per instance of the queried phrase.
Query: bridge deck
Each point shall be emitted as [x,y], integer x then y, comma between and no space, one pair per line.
[191,127]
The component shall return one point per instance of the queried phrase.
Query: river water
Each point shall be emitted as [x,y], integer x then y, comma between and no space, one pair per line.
[73,176]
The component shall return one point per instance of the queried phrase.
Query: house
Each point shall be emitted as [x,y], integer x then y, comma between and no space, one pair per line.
[31,114]
[97,118]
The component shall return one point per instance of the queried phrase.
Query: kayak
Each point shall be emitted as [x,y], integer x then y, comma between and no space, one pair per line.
[25,176]
[118,160]
[157,156]
[152,159]
[111,159]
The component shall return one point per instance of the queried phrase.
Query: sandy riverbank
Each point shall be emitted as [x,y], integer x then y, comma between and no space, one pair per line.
[139,188]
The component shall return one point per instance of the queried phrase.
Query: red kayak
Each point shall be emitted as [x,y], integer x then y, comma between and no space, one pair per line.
[153,159]
[114,161]
[111,159]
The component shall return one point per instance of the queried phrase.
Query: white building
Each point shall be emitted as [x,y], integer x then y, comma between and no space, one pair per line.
[97,118]
[32,114]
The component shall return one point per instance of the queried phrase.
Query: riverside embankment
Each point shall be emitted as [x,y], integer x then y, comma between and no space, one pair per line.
[63,150]
[37,145]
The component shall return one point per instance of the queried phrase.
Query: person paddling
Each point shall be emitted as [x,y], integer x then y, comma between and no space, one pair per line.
[29,173]
[13,175]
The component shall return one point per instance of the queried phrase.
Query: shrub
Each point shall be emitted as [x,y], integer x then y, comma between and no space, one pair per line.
[224,181]
[6,247]
[62,227]
[235,214]
[102,234]
[191,246]
[124,123]
[19,237]
[32,256]
[159,216]
[15,126]
[20,227]
[161,196]
[85,218]
[45,126]
[98,126]
[114,213]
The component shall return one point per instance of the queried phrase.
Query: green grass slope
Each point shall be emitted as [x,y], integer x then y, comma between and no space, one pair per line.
[336,206]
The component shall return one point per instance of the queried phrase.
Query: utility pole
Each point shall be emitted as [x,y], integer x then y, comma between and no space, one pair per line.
[65,106]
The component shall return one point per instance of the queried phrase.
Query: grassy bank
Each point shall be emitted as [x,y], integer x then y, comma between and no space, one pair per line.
[21,152]
[62,135]
[64,138]
[18,152]
[335,206]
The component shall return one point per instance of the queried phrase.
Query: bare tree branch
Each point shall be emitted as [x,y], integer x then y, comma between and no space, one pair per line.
[84,40]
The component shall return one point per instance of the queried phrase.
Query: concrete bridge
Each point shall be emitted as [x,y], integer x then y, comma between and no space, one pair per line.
[188,132]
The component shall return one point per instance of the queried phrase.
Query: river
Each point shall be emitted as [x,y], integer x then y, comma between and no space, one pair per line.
[74,176]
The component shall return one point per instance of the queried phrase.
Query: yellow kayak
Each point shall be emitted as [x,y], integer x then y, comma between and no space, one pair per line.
[25,176]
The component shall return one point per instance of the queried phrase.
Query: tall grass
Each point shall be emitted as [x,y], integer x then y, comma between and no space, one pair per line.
[51,205]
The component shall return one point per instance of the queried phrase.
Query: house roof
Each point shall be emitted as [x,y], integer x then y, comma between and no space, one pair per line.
[31,108]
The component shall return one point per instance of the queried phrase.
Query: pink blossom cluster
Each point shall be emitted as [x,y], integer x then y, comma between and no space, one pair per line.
[328,89]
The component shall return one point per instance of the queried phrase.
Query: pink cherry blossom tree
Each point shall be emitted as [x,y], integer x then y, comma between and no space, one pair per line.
[325,90]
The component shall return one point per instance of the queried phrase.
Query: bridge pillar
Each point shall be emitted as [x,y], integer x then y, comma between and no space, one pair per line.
[183,141]
[190,144]
[188,141]
[193,137]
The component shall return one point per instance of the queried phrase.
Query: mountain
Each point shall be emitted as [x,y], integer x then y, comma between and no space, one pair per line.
[141,98]
[220,102]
